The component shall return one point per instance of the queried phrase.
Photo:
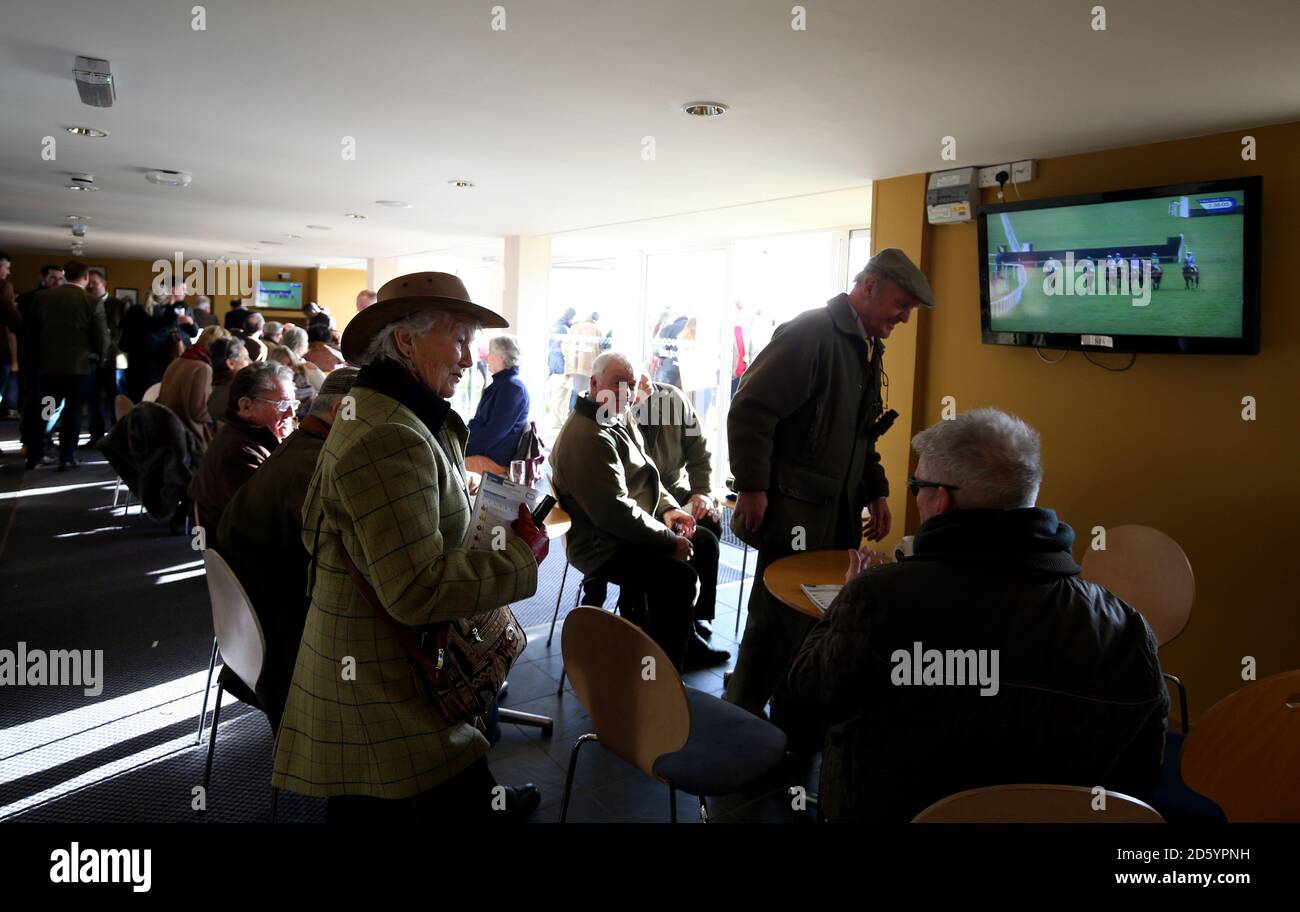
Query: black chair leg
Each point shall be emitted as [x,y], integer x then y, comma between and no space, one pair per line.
[559,595]
[207,691]
[568,779]
[740,598]
[212,742]
[672,802]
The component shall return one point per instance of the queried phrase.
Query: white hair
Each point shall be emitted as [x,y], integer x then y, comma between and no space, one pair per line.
[506,348]
[605,359]
[992,457]
[384,343]
[294,338]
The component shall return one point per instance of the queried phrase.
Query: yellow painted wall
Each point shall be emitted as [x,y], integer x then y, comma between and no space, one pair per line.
[336,291]
[1163,444]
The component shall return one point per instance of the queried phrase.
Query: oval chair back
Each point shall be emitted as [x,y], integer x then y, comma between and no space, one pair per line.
[637,707]
[1031,803]
[151,394]
[1244,753]
[1147,569]
[239,633]
[121,405]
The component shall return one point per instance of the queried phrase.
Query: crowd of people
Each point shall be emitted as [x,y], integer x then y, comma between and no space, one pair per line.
[319,454]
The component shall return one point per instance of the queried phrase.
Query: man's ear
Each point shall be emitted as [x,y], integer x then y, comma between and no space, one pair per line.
[946,502]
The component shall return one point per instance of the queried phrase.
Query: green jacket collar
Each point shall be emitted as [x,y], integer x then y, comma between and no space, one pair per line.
[845,319]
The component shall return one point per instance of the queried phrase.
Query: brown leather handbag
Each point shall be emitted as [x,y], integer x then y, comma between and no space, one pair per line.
[464,662]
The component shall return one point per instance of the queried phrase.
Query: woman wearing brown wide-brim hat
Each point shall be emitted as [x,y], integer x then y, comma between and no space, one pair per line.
[359,728]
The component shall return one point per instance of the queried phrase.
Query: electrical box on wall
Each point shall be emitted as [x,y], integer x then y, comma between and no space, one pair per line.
[951,196]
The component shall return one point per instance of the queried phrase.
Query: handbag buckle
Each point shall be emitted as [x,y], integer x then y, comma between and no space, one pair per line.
[473,631]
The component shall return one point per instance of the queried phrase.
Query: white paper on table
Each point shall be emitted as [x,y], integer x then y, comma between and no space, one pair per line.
[497,506]
[821,596]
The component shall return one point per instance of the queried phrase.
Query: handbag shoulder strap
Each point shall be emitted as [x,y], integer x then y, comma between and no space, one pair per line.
[404,633]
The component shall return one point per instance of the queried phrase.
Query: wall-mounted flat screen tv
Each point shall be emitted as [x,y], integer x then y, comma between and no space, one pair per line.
[1160,269]
[280,295]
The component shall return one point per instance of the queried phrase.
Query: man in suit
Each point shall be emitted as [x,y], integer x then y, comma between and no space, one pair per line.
[106,381]
[802,430]
[73,336]
[237,316]
[34,428]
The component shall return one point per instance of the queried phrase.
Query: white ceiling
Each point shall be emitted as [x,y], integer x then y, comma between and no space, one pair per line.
[548,116]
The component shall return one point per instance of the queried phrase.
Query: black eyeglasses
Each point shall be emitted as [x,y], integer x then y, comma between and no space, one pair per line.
[915,485]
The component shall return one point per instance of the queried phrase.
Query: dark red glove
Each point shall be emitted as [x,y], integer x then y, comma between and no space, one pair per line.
[534,537]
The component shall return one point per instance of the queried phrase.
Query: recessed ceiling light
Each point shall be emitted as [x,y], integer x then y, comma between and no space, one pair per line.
[320,227]
[353,215]
[77,218]
[83,188]
[705,108]
[296,237]
[87,131]
[165,177]
[394,204]
[461,184]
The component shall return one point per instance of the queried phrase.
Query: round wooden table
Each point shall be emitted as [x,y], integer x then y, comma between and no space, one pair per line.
[809,568]
[557,523]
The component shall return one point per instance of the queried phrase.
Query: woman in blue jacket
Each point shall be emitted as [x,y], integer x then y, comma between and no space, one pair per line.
[502,414]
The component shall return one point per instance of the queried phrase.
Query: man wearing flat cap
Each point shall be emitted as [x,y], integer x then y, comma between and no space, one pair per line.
[802,433]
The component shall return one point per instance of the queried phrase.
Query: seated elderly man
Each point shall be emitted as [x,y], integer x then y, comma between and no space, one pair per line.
[502,413]
[258,416]
[260,536]
[627,528]
[674,439]
[983,658]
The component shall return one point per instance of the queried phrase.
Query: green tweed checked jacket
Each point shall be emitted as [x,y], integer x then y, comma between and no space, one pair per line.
[394,487]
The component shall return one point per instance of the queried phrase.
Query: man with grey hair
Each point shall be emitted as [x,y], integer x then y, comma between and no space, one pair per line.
[1031,673]
[273,332]
[259,414]
[502,414]
[627,528]
[802,432]
[260,536]
[203,316]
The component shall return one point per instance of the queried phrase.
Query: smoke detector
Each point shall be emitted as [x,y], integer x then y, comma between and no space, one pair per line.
[95,83]
[164,177]
[83,182]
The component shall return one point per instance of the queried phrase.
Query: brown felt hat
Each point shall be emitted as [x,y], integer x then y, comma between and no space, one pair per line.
[416,292]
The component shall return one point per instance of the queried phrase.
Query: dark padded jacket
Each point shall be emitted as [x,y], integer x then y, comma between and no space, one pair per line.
[1079,698]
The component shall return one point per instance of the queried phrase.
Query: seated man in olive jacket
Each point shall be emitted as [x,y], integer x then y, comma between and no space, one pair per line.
[260,536]
[675,441]
[983,658]
[626,528]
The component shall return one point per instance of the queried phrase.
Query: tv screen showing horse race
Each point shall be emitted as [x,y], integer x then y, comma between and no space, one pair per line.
[1171,266]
